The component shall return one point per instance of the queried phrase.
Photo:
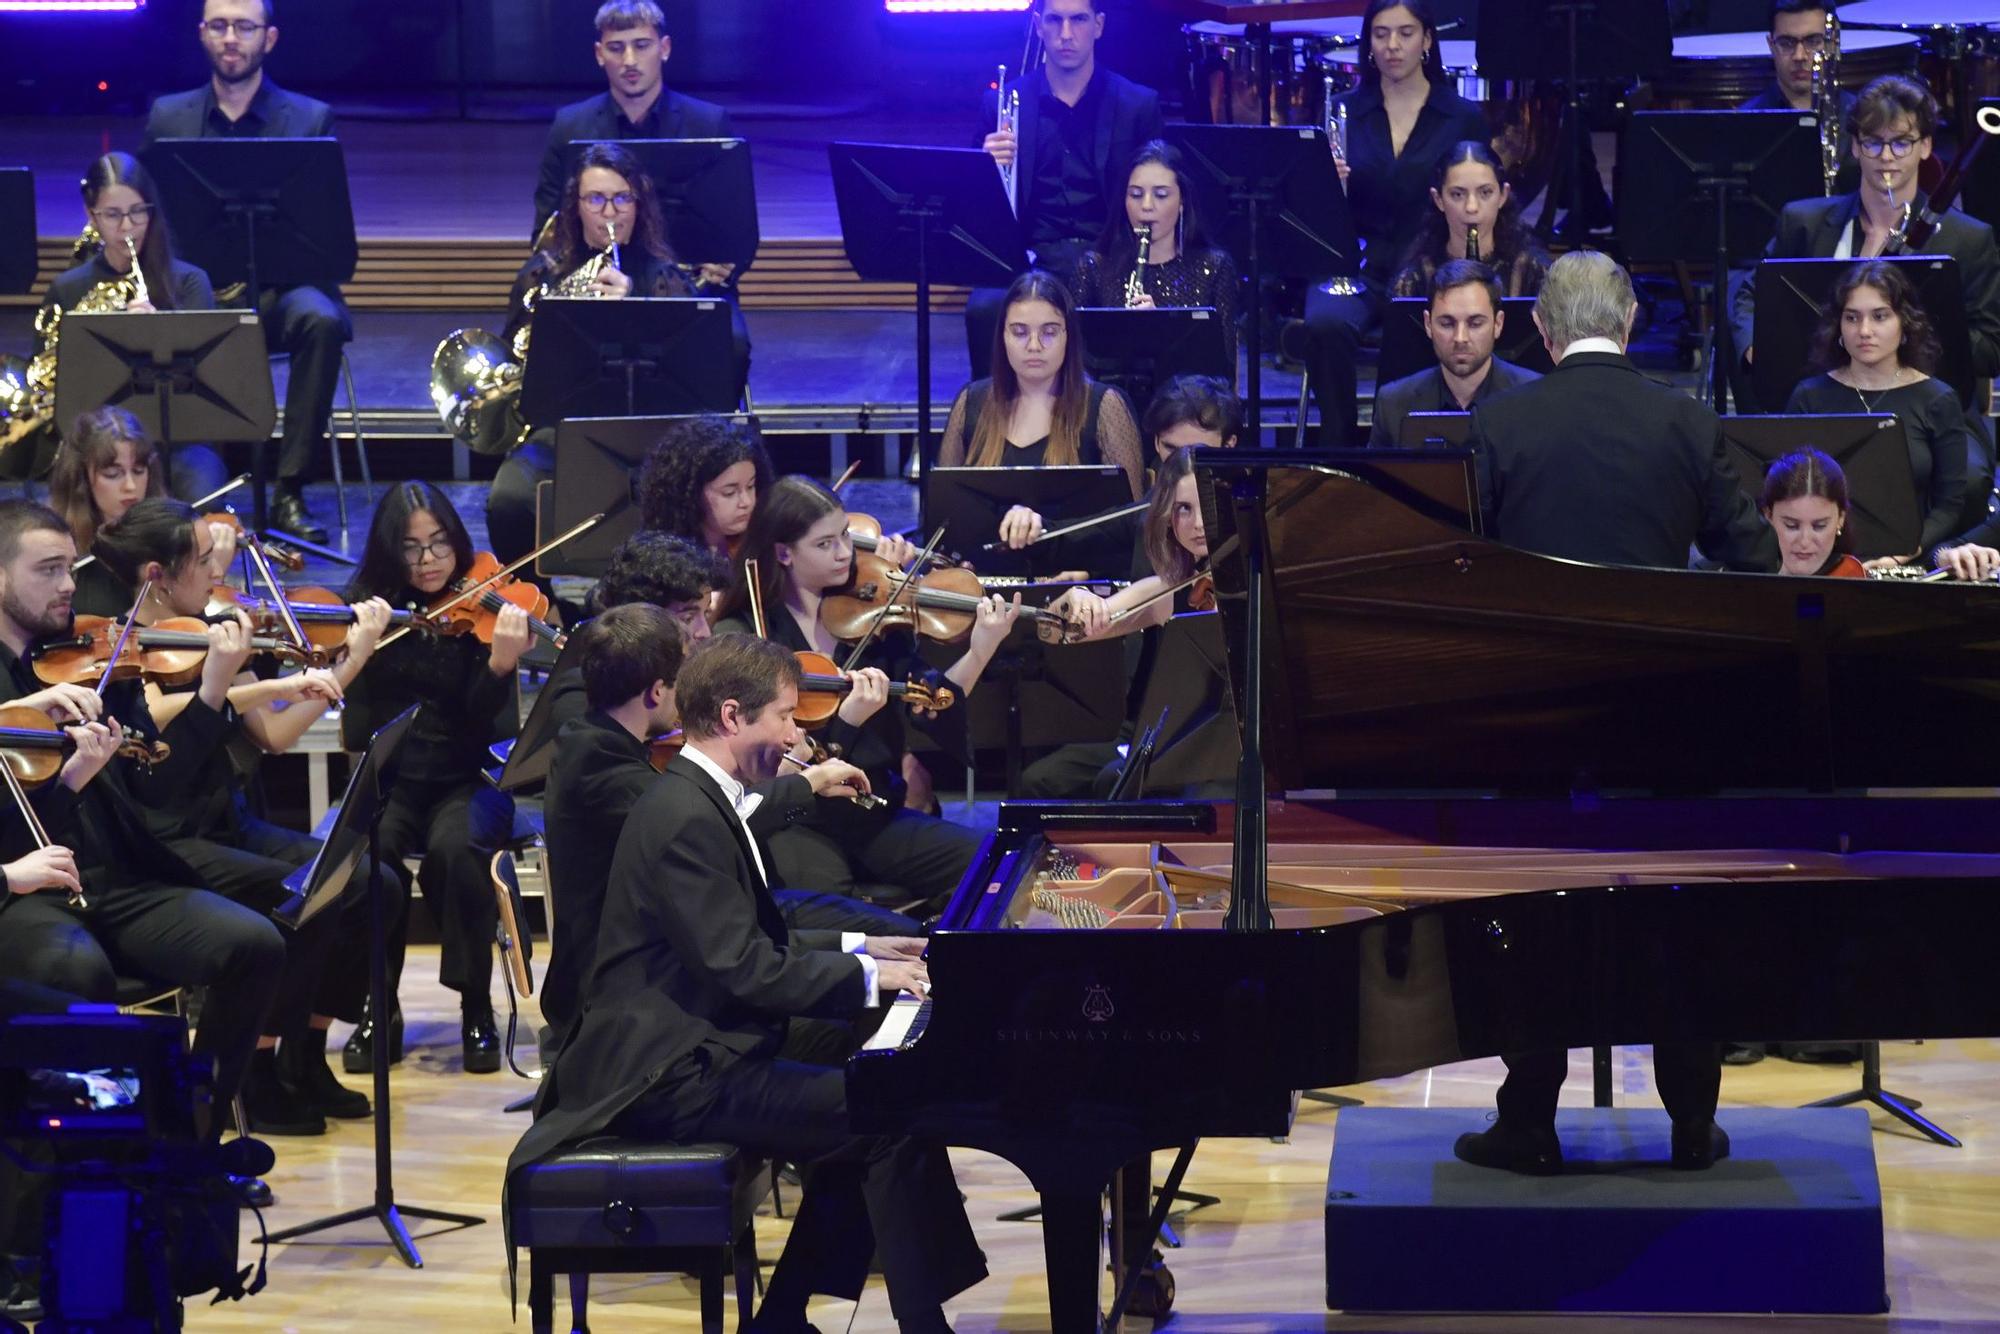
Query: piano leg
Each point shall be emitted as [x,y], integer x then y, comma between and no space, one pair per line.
[1072,1230]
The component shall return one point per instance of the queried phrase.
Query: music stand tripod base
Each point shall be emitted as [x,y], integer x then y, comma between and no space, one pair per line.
[1895,1104]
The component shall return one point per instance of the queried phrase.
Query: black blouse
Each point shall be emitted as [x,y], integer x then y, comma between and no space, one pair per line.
[1941,452]
[650,277]
[1389,194]
[465,706]
[1206,278]
[1110,434]
[1520,273]
[188,287]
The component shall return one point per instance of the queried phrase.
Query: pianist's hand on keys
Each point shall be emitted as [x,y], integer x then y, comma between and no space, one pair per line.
[911,975]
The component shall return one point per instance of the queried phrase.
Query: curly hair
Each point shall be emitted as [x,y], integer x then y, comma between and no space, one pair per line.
[1920,349]
[689,454]
[92,444]
[649,231]
[658,569]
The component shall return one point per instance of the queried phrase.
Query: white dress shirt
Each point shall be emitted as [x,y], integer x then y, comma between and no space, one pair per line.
[1591,345]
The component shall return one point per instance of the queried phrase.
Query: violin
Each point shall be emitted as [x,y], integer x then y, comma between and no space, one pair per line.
[943,605]
[472,603]
[170,652]
[277,552]
[660,751]
[865,532]
[819,754]
[825,686]
[322,615]
[35,748]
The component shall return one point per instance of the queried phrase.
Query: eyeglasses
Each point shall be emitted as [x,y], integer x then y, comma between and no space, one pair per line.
[1791,46]
[596,200]
[243,28]
[413,552]
[118,217]
[1897,147]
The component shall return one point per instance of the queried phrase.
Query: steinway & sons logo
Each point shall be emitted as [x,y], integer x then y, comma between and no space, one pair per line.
[1098,1010]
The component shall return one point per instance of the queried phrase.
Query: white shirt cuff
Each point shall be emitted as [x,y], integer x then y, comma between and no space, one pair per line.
[871,977]
[852,942]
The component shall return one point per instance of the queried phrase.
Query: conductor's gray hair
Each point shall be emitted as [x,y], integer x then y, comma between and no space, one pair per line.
[1584,295]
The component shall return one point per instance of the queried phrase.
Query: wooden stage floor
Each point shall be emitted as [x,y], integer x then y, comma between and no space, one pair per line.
[1250,1265]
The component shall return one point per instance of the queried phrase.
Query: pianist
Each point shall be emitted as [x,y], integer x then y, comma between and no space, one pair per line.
[703,1019]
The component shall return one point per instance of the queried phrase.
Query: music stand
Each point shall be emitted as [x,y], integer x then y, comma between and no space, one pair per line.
[187,375]
[923,216]
[1885,514]
[707,193]
[1137,350]
[1435,430]
[597,465]
[1713,181]
[1791,294]
[969,503]
[1407,349]
[640,357]
[18,251]
[269,213]
[1198,750]
[360,822]
[1274,201]
[1980,195]
[530,754]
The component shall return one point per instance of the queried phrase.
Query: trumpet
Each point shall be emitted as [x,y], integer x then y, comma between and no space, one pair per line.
[1135,284]
[1472,243]
[1009,113]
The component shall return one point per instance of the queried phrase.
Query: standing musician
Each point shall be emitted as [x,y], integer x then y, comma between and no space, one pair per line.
[1463,320]
[309,323]
[706,1020]
[1878,349]
[1403,118]
[1037,407]
[1475,205]
[439,801]
[804,555]
[140,903]
[208,822]
[701,481]
[1079,129]
[1805,502]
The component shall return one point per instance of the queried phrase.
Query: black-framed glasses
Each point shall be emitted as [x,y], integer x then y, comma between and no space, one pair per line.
[118,217]
[243,28]
[414,552]
[1898,147]
[597,200]
[1812,44]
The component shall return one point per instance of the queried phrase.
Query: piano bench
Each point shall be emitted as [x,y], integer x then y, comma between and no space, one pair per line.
[620,1206]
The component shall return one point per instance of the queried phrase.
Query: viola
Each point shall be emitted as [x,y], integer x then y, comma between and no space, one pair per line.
[472,603]
[819,754]
[170,652]
[825,686]
[943,605]
[35,748]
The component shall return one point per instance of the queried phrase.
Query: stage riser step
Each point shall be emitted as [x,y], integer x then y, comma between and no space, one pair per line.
[1790,1223]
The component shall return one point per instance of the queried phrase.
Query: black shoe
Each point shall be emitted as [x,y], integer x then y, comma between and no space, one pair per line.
[271,1105]
[288,514]
[358,1056]
[1820,1053]
[302,1065]
[1534,1153]
[481,1041]
[1742,1053]
[21,1300]
[1699,1146]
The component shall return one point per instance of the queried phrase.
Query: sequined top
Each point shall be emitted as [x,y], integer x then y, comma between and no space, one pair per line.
[1205,278]
[1520,273]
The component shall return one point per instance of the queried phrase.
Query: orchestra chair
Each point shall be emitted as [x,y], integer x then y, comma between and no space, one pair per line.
[135,995]
[333,439]
[517,951]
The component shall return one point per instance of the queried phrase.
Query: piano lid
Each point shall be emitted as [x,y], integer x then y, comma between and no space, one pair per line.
[1402,652]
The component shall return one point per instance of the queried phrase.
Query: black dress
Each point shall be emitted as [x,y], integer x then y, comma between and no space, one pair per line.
[1205,278]
[1110,435]
[1934,425]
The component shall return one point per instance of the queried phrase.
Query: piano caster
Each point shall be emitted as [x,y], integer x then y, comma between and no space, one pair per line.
[1152,1292]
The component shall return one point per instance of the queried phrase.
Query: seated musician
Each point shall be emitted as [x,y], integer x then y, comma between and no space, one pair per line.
[1182,268]
[1402,120]
[439,802]
[1878,349]
[141,904]
[1463,320]
[1596,462]
[1805,502]
[105,467]
[1037,407]
[804,557]
[1478,219]
[124,207]
[701,480]
[1974,555]
[209,824]
[1192,412]
[1798,34]
[705,1020]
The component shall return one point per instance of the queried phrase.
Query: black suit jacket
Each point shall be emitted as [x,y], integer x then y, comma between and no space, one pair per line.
[1425,392]
[678,115]
[1811,228]
[1595,462]
[1130,118]
[285,115]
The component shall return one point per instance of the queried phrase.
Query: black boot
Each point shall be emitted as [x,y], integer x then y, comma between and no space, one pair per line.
[481,1037]
[288,514]
[302,1065]
[358,1056]
[271,1106]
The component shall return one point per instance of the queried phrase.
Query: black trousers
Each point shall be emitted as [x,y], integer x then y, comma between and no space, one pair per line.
[919,854]
[1335,326]
[312,326]
[162,933]
[1078,769]
[457,827]
[861,1191]
[809,910]
[1689,1075]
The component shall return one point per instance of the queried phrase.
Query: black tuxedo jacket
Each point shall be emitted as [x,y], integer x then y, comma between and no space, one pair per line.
[285,115]
[678,116]
[695,968]
[1425,392]
[1130,118]
[1811,228]
[1595,462]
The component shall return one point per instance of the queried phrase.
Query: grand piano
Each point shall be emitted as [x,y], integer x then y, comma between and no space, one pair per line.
[1488,801]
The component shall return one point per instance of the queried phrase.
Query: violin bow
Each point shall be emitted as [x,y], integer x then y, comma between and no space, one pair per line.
[241,479]
[846,477]
[1202,571]
[882,612]
[260,565]
[480,588]
[1109,516]
[124,636]
[756,593]
[34,822]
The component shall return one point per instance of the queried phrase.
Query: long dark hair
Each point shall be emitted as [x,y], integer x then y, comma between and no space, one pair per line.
[1806,472]
[1118,243]
[92,443]
[383,573]
[156,256]
[689,455]
[1920,349]
[649,229]
[1421,11]
[1509,236]
[988,448]
[158,528]
[1171,561]
[791,506]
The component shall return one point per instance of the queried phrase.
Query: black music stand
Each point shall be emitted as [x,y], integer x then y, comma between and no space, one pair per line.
[923,216]
[1407,349]
[640,357]
[18,255]
[1557,40]
[1274,201]
[1792,293]
[529,755]
[1189,685]
[707,192]
[1137,350]
[359,822]
[1435,430]
[597,465]
[969,503]
[187,375]
[1885,512]
[1980,195]
[1711,184]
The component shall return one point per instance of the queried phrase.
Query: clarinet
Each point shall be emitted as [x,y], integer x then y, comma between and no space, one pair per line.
[1135,284]
[1472,244]
[1826,102]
